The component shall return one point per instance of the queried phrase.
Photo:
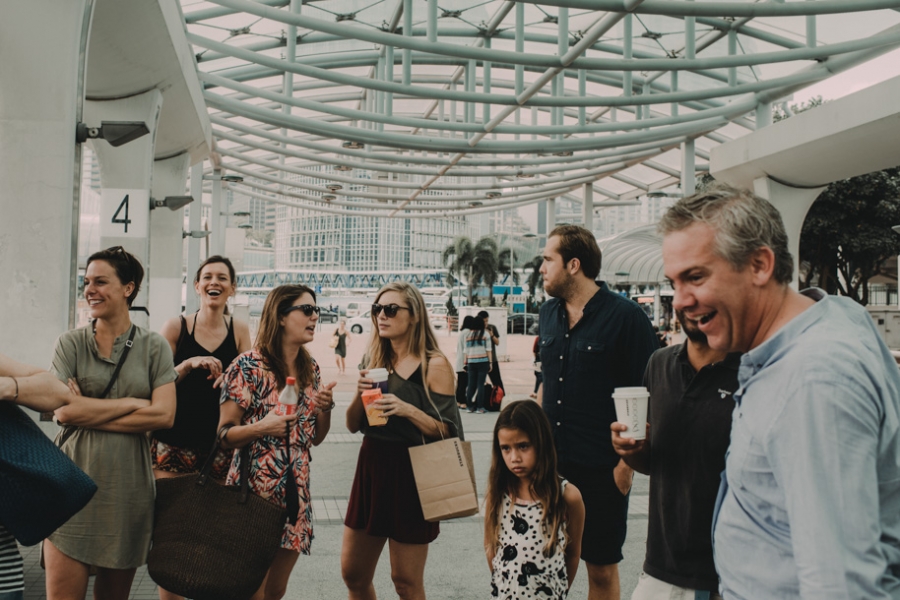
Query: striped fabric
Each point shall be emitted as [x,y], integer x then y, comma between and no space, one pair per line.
[11,574]
[478,347]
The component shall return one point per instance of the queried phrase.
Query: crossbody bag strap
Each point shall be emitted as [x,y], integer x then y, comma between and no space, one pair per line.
[291,495]
[128,344]
[68,430]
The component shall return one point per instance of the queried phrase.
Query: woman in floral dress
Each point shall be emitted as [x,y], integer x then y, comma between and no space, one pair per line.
[249,397]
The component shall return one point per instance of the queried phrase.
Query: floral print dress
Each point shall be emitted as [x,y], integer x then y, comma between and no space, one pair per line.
[250,384]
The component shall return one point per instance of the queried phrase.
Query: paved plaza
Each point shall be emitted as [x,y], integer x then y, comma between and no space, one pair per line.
[457,568]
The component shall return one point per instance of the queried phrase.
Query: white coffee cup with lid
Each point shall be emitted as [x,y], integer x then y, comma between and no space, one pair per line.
[631,409]
[380,379]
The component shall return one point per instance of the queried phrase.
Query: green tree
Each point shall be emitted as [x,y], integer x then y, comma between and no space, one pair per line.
[473,262]
[535,278]
[848,232]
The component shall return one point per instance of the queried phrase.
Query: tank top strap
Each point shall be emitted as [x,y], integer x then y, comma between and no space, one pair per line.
[195,324]
[182,333]
[416,376]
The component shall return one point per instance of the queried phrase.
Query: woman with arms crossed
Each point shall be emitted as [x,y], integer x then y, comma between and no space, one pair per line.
[249,398]
[106,436]
[384,503]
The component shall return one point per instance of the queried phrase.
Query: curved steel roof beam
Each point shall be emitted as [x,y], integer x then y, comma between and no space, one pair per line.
[688,8]
[344,59]
[324,208]
[195,16]
[617,155]
[437,144]
[425,208]
[493,180]
[608,78]
[474,127]
[507,198]
[553,163]
[550,61]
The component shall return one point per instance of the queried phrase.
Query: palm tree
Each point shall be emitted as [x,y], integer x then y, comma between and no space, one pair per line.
[459,257]
[535,278]
[485,265]
[473,262]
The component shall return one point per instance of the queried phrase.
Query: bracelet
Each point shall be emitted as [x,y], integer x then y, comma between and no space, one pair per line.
[329,409]
[16,395]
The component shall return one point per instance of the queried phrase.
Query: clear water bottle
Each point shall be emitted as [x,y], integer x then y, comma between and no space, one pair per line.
[287,399]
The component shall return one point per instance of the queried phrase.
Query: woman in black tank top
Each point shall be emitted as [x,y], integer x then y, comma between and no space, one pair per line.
[204,344]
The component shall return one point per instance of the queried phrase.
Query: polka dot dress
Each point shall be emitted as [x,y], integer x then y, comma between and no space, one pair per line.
[520,569]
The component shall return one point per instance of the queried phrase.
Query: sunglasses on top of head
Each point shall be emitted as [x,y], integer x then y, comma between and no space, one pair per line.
[308,309]
[390,310]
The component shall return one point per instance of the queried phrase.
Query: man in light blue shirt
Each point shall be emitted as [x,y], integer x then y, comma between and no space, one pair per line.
[809,505]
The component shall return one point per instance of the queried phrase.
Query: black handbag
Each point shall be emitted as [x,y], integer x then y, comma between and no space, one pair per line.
[211,541]
[40,487]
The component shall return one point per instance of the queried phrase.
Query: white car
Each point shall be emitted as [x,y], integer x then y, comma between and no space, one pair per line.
[360,324]
[438,317]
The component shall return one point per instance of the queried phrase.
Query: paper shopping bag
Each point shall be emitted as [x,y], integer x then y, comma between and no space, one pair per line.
[445,479]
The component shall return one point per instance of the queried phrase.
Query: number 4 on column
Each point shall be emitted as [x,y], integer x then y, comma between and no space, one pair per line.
[122,205]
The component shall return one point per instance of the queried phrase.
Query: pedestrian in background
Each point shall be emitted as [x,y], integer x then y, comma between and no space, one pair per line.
[462,376]
[478,360]
[494,333]
[340,349]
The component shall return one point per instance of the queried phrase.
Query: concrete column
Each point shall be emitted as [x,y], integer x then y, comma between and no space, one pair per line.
[793,204]
[191,303]
[127,171]
[588,206]
[166,247]
[44,48]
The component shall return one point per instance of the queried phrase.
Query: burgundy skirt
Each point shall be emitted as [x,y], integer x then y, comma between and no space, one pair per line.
[384,501]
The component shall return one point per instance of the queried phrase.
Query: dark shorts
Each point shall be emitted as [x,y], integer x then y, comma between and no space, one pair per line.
[384,501]
[605,512]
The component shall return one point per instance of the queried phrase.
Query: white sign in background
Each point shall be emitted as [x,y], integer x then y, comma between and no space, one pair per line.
[124,213]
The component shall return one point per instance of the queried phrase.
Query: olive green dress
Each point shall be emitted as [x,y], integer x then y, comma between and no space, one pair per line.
[114,529]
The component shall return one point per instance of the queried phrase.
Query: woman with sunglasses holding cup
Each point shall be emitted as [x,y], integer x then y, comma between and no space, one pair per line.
[248,416]
[420,405]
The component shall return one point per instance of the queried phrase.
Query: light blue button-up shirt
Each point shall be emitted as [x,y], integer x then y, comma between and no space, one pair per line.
[810,500]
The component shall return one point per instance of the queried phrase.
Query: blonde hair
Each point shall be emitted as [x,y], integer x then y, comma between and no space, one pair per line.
[420,342]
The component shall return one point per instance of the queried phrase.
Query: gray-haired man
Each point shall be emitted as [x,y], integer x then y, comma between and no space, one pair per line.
[810,501]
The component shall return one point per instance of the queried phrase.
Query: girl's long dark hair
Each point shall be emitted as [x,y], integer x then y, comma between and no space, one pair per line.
[268,338]
[528,417]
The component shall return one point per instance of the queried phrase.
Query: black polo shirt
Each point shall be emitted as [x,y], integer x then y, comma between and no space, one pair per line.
[690,427]
[608,348]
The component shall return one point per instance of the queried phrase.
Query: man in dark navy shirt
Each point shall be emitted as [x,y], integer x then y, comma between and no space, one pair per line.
[592,341]
[691,400]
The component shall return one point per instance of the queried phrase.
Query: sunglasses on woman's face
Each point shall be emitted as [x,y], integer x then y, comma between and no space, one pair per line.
[308,309]
[390,310]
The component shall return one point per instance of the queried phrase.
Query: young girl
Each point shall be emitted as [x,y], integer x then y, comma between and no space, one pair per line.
[533,518]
